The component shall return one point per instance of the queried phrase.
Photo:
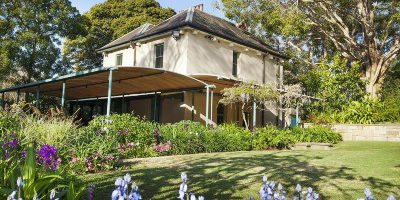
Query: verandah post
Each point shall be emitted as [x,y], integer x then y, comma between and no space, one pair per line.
[207,102]
[254,114]
[192,105]
[211,108]
[109,92]
[63,94]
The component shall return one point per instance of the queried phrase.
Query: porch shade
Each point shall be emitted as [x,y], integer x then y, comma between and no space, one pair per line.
[126,80]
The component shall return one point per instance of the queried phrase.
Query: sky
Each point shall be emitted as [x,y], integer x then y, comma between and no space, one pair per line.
[178,5]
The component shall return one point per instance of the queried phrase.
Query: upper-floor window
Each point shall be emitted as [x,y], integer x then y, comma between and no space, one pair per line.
[235,64]
[159,51]
[119,59]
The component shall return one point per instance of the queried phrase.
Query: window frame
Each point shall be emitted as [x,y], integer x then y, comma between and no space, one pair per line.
[121,55]
[156,56]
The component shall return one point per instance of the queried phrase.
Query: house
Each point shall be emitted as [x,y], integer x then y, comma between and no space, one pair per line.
[202,46]
[173,71]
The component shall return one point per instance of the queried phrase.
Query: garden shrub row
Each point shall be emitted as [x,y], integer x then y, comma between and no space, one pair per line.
[106,140]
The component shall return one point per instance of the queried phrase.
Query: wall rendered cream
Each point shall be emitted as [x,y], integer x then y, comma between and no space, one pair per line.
[175,54]
[212,57]
[110,60]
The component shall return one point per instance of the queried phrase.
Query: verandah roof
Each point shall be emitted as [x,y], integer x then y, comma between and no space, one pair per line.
[126,80]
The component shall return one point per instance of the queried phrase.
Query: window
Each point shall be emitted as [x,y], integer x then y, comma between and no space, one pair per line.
[159,51]
[235,64]
[119,59]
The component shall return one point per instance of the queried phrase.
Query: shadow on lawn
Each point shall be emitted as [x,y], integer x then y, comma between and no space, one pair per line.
[219,177]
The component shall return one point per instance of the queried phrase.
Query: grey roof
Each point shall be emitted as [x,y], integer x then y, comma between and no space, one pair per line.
[202,21]
[129,36]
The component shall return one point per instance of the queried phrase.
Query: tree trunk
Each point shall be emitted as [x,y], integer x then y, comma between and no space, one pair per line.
[374,78]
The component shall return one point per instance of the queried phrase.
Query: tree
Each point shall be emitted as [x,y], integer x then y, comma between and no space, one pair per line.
[108,21]
[30,36]
[363,31]
[247,93]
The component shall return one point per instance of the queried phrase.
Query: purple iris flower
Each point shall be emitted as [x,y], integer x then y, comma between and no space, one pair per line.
[47,156]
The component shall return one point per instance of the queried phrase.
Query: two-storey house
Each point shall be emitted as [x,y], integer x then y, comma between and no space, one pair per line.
[201,46]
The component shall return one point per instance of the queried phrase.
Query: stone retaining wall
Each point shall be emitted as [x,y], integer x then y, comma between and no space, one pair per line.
[368,132]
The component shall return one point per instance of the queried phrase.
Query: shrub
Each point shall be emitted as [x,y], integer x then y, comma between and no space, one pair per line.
[321,134]
[271,137]
[228,137]
[186,137]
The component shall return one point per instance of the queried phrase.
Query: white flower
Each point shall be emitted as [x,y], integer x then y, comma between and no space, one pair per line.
[310,190]
[200,198]
[181,195]
[12,195]
[192,197]
[127,178]
[298,188]
[20,182]
[391,197]
[118,182]
[115,194]
[52,194]
[265,178]
[367,193]
[183,177]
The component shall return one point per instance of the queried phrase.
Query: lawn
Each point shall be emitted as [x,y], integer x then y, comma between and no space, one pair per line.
[340,173]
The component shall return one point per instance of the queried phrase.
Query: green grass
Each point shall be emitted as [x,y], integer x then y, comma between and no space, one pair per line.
[340,173]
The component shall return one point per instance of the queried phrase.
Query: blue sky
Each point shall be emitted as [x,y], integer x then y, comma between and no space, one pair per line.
[177,5]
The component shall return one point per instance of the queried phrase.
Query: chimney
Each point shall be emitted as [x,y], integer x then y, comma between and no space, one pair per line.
[199,7]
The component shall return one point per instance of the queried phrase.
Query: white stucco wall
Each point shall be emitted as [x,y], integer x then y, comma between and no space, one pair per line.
[195,54]
[213,57]
[110,59]
[175,54]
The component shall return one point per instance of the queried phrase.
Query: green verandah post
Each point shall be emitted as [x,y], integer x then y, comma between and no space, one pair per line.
[109,92]
[207,102]
[254,114]
[211,108]
[63,94]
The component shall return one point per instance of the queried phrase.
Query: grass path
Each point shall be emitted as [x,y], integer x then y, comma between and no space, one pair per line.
[340,173]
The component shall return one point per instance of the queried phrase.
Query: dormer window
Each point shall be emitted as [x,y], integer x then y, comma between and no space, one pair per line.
[159,52]
[119,60]
[235,64]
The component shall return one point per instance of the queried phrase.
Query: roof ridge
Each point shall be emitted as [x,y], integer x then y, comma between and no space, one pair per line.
[141,26]
[189,16]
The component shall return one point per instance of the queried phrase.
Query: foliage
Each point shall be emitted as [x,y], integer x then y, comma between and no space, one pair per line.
[390,95]
[247,93]
[321,134]
[309,31]
[30,35]
[335,83]
[366,111]
[108,21]
[83,149]
[33,181]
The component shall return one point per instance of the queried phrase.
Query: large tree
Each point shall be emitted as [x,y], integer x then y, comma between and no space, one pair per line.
[363,31]
[30,33]
[109,21]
